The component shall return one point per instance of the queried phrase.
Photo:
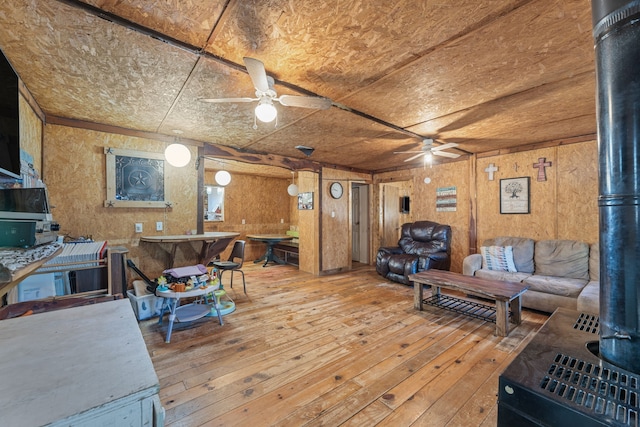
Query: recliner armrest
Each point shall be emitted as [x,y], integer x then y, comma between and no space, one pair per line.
[392,250]
[471,264]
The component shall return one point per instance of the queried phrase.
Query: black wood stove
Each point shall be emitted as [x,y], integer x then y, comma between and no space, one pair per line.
[559,379]
[584,370]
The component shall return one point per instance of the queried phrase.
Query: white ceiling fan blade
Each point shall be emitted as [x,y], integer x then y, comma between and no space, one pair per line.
[258,75]
[444,146]
[221,100]
[305,101]
[445,154]
[414,157]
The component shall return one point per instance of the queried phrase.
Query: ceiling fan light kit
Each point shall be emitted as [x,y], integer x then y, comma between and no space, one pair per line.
[265,110]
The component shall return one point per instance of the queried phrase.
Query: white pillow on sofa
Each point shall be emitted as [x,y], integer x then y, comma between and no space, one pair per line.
[498,258]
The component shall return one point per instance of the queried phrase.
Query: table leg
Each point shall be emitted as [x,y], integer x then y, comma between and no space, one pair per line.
[516,310]
[269,255]
[172,318]
[417,296]
[502,318]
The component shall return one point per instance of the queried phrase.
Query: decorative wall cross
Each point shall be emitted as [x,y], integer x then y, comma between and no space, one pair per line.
[542,165]
[490,170]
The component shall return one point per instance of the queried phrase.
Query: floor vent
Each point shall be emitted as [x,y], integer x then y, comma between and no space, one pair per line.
[587,323]
[604,391]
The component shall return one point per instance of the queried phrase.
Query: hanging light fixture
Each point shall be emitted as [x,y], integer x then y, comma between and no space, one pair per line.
[222,177]
[292,189]
[176,154]
[265,111]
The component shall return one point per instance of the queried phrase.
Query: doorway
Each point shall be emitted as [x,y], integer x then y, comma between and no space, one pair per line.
[360,228]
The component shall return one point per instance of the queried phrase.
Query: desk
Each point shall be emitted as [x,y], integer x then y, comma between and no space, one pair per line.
[270,240]
[185,313]
[209,248]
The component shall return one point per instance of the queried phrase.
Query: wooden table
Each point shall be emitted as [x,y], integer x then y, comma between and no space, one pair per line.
[505,294]
[207,252]
[270,240]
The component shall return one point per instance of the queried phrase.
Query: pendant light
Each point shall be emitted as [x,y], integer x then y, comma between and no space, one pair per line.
[177,155]
[223,178]
[292,189]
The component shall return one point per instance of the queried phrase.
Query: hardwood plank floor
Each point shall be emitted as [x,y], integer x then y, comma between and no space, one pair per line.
[345,349]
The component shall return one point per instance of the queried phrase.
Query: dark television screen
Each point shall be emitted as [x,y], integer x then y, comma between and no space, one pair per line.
[9,120]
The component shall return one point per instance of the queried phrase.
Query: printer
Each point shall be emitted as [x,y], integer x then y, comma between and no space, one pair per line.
[25,218]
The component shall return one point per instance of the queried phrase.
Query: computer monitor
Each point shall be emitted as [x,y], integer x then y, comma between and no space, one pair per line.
[25,204]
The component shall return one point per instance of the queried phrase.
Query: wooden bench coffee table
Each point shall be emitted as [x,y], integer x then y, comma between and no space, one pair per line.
[505,294]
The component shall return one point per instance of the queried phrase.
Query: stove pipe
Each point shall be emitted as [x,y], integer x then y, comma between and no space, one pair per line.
[616,33]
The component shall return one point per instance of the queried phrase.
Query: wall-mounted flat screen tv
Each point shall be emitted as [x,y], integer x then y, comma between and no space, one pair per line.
[9,120]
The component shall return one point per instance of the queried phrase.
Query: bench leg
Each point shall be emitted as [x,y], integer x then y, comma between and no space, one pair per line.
[502,318]
[417,296]
[516,310]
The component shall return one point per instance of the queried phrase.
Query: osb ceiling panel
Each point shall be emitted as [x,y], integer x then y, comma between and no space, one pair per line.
[508,56]
[336,47]
[331,131]
[83,67]
[486,74]
[490,126]
[190,21]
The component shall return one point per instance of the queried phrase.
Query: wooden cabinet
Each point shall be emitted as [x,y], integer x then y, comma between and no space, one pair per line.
[81,366]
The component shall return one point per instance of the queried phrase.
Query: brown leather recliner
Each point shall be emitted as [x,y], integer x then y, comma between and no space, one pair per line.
[422,245]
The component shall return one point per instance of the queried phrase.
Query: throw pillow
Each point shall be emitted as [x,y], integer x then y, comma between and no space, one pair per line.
[498,258]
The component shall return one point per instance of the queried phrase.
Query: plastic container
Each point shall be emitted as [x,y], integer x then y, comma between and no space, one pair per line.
[146,306]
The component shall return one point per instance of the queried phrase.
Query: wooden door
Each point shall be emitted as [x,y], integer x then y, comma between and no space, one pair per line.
[355,223]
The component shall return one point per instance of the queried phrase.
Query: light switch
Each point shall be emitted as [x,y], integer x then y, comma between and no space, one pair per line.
[159,226]
[138,227]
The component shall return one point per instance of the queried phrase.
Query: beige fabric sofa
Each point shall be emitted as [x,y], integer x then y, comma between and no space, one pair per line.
[560,273]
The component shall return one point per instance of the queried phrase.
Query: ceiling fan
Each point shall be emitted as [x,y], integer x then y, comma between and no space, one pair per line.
[428,149]
[265,94]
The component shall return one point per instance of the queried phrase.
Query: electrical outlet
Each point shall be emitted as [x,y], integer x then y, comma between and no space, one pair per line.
[138,227]
[159,226]
[281,220]
[243,220]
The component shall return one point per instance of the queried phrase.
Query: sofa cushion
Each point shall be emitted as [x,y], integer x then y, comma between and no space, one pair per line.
[564,286]
[594,262]
[503,276]
[498,258]
[522,251]
[589,298]
[562,258]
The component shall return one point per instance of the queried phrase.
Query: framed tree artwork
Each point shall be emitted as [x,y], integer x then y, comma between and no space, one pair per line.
[514,195]
[135,179]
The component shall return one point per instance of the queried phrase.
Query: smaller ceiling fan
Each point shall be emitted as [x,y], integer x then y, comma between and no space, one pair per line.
[429,149]
[265,94]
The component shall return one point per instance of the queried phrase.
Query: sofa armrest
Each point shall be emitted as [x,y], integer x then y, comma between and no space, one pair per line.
[471,264]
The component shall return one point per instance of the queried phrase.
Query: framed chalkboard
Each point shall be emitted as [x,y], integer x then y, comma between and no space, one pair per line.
[135,179]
